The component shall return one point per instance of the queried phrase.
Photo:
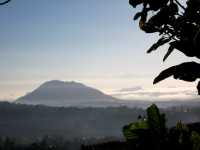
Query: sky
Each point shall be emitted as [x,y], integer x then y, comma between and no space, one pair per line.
[95,42]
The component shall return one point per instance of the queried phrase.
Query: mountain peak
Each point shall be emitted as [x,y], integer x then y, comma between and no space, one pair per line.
[58,83]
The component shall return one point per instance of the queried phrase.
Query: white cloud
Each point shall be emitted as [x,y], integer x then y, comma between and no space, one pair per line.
[158,94]
[136,88]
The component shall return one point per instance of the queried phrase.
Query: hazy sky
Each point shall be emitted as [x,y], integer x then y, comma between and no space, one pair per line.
[91,41]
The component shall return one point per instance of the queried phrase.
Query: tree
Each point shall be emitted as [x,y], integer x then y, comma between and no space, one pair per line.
[149,132]
[152,133]
[178,26]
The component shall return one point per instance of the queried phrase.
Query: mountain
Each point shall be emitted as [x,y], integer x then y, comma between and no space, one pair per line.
[59,93]
[64,94]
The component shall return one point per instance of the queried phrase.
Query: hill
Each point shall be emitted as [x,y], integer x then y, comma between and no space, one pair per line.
[29,121]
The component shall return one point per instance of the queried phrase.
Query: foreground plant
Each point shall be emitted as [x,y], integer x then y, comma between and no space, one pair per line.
[178,26]
[151,133]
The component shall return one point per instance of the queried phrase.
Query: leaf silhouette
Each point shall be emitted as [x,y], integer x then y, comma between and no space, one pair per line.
[159,43]
[164,74]
[198,87]
[134,3]
[5,2]
[137,15]
[170,50]
[177,25]
[188,71]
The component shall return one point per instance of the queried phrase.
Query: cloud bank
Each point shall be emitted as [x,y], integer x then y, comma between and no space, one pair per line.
[157,94]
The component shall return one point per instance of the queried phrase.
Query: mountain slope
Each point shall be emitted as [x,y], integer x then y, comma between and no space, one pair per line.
[59,93]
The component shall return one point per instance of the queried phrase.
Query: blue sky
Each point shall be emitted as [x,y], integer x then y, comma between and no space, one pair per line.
[91,41]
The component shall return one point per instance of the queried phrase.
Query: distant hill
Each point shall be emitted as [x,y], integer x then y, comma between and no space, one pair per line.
[59,93]
[34,122]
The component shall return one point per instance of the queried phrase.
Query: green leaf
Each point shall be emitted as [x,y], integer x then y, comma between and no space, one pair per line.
[131,131]
[155,120]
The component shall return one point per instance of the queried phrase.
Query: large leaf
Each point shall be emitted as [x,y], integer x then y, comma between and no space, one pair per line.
[156,121]
[165,74]
[134,3]
[133,130]
[198,87]
[188,71]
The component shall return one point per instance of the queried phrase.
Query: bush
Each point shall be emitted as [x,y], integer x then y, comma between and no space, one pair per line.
[151,133]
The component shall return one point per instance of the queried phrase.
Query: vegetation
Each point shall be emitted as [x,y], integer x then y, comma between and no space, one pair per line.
[46,143]
[179,26]
[32,122]
[151,133]
[24,126]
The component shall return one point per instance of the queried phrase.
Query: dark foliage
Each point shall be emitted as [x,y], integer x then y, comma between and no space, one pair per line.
[20,122]
[46,143]
[115,145]
[30,122]
[177,25]
[151,133]
[5,2]
[24,121]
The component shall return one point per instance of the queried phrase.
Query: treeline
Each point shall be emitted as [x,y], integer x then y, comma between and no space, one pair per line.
[147,130]
[46,143]
[59,143]
[26,121]
[30,122]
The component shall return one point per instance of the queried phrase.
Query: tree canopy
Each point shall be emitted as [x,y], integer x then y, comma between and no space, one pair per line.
[152,132]
[178,25]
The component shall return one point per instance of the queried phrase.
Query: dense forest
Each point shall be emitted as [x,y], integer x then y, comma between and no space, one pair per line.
[41,127]
[30,122]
